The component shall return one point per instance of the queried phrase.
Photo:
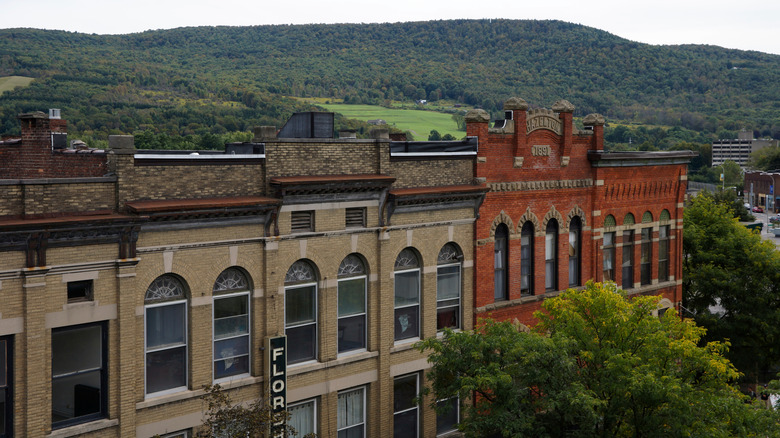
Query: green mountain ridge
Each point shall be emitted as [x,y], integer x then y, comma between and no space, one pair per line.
[224,79]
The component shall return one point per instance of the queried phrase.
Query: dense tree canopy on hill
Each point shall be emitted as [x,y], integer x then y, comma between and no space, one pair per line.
[219,79]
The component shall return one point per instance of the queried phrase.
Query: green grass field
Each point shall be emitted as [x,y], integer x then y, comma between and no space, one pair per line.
[8,83]
[419,123]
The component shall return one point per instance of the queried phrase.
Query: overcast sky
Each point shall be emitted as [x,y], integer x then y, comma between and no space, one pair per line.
[741,24]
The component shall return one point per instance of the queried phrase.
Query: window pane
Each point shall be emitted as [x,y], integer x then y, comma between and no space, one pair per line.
[165,325]
[405,424]
[352,333]
[350,410]
[406,323]
[352,432]
[231,306]
[573,244]
[352,296]
[404,392]
[231,347]
[407,288]
[446,422]
[231,367]
[75,396]
[549,246]
[448,282]
[166,369]
[448,317]
[299,305]
[302,418]
[301,343]
[549,274]
[75,350]
[233,326]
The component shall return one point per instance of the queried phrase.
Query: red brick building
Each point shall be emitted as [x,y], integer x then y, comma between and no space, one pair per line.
[562,211]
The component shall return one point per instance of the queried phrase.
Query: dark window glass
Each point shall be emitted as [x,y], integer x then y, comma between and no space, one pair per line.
[78,367]
[647,255]
[80,290]
[663,253]
[447,421]
[609,256]
[575,229]
[352,314]
[405,423]
[628,259]
[301,323]
[6,393]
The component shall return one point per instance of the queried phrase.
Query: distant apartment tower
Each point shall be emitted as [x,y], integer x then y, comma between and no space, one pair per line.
[738,150]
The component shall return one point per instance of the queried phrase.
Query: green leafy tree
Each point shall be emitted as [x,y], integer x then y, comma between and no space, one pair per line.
[596,365]
[766,159]
[731,285]
[227,419]
[434,136]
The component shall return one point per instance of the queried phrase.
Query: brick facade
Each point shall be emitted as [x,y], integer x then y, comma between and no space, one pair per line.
[543,170]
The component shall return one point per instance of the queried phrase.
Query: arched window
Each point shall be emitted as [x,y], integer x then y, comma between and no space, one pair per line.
[352,304]
[300,312]
[629,219]
[231,324]
[407,295]
[575,246]
[500,261]
[448,287]
[551,255]
[527,259]
[165,314]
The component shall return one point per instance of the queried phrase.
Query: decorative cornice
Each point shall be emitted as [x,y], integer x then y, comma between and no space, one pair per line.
[516,186]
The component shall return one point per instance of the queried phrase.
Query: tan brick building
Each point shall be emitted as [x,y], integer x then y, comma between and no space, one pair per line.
[130,279]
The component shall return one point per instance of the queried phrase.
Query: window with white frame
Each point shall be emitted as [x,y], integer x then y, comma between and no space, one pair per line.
[6,387]
[351,304]
[608,250]
[179,434]
[551,255]
[407,295]
[231,324]
[447,415]
[165,313]
[448,284]
[303,417]
[351,419]
[79,383]
[575,247]
[405,410]
[527,259]
[300,312]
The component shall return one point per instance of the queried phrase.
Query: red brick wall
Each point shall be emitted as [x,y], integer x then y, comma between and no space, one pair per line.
[33,156]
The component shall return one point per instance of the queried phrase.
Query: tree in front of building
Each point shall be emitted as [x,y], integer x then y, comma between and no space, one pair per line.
[731,286]
[226,419]
[597,364]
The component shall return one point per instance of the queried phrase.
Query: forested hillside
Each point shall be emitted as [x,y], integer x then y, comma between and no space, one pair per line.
[223,79]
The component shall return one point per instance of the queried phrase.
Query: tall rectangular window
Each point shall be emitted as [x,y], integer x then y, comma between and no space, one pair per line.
[352,314]
[575,228]
[300,322]
[551,256]
[647,255]
[447,421]
[231,335]
[405,411]
[628,259]
[500,260]
[527,259]
[79,380]
[448,296]
[6,393]
[663,253]
[303,417]
[351,417]
[166,347]
[407,304]
[609,256]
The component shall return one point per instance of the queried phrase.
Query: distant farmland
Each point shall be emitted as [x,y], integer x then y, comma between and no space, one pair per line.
[419,123]
[8,83]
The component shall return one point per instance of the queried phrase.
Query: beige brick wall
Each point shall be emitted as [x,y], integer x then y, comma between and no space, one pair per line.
[429,173]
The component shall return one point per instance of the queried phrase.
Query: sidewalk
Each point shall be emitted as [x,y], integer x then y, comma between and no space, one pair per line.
[766,232]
